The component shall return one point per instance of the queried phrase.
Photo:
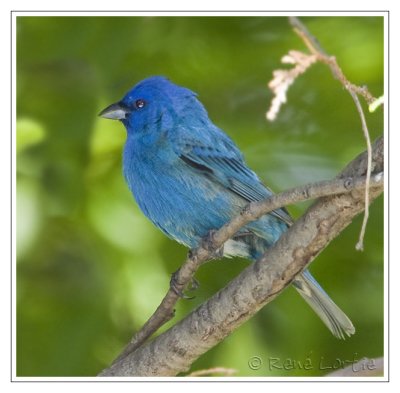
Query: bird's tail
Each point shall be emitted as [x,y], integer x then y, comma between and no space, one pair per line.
[332,316]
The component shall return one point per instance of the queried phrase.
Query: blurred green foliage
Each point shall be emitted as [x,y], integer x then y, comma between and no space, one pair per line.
[91,268]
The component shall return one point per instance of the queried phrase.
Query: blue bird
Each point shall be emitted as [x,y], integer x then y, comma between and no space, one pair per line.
[188,177]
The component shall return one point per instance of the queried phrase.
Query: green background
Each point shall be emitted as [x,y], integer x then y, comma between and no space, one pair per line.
[91,268]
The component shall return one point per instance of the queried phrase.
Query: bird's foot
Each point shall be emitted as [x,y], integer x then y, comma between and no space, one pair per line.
[177,287]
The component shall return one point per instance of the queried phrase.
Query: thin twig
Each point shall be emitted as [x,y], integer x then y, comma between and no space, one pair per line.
[315,48]
[354,90]
[226,372]
[360,243]
[252,212]
[310,41]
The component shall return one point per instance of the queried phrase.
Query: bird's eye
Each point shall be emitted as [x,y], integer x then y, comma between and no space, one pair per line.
[139,104]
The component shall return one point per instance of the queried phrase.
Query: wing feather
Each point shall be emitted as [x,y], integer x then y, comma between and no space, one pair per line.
[226,166]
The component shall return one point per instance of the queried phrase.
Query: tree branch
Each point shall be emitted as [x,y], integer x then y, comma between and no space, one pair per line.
[176,349]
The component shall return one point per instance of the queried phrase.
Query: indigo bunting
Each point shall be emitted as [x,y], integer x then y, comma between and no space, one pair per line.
[188,177]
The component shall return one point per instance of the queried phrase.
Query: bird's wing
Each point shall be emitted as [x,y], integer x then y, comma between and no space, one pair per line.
[223,162]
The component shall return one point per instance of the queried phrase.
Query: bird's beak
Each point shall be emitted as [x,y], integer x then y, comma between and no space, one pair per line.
[117,111]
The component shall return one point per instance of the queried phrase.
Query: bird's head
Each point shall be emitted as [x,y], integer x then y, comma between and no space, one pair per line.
[155,100]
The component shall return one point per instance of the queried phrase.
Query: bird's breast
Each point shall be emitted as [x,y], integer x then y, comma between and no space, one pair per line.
[181,202]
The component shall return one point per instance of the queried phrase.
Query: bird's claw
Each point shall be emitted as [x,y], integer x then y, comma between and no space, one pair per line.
[194,284]
[177,287]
